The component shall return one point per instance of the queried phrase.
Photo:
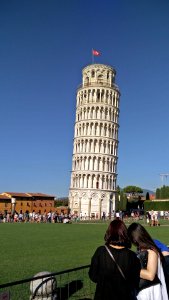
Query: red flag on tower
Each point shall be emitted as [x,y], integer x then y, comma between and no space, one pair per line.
[95,52]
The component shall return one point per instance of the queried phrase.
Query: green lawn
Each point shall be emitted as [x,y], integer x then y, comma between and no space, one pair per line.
[27,249]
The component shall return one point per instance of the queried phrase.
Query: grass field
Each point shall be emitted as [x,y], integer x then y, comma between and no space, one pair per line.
[27,249]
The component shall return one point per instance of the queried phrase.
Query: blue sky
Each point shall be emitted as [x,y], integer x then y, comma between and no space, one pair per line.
[43,47]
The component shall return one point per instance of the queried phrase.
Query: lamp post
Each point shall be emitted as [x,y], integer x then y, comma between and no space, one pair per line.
[13,202]
[80,207]
[89,208]
[101,200]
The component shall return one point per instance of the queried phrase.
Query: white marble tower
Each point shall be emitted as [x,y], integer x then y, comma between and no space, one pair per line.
[94,163]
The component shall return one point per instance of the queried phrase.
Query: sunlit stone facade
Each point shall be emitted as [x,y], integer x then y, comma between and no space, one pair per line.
[94,163]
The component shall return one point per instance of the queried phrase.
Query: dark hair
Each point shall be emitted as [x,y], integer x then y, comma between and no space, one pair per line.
[116,234]
[141,238]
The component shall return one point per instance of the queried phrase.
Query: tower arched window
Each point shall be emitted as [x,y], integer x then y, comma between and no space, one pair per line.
[100,78]
[87,81]
[93,73]
[98,95]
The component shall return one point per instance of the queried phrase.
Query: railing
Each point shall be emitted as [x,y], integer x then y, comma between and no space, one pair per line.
[99,83]
[68,284]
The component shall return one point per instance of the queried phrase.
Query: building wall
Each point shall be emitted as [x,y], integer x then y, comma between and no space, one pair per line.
[62,210]
[30,204]
[42,206]
[94,163]
[5,205]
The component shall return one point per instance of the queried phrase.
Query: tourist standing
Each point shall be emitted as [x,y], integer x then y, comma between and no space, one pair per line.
[152,284]
[119,279]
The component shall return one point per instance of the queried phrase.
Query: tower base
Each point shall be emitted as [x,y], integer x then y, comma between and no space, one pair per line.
[94,204]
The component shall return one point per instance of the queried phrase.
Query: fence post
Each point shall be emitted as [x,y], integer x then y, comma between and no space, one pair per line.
[43,289]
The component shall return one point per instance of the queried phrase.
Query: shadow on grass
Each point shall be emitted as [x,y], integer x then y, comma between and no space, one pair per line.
[64,293]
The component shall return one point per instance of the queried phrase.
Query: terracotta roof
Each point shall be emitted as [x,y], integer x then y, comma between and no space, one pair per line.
[39,195]
[16,194]
[25,195]
[4,197]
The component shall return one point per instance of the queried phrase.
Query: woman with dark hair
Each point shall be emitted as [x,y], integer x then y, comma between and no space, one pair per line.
[152,284]
[114,267]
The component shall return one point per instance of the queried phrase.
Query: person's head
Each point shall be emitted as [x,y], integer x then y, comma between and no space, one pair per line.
[141,238]
[116,234]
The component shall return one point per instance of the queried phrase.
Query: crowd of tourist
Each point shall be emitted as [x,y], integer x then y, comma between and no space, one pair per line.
[33,217]
[152,217]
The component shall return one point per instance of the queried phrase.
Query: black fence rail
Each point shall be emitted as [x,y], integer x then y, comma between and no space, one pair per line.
[68,284]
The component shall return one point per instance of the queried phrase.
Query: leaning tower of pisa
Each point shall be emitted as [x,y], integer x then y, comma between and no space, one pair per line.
[94,162]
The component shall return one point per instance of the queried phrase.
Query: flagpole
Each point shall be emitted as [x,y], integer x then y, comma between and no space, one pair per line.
[92,57]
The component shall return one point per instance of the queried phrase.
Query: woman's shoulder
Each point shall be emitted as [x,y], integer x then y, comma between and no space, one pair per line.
[126,252]
[133,255]
[152,252]
[100,249]
[134,260]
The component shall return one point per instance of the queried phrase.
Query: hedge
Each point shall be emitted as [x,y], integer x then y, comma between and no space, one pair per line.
[156,205]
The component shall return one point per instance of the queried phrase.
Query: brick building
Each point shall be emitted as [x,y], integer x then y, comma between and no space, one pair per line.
[38,202]
[5,203]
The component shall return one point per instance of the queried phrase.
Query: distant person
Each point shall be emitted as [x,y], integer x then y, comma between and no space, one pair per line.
[156,218]
[148,218]
[49,216]
[117,215]
[152,284]
[152,218]
[119,279]
[104,216]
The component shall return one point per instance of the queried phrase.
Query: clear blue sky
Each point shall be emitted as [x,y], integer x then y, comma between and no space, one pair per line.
[43,47]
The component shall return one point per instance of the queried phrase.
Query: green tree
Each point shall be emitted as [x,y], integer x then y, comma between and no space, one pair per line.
[132,189]
[118,189]
[163,192]
[147,196]
[157,193]
[61,202]
[133,196]
[123,201]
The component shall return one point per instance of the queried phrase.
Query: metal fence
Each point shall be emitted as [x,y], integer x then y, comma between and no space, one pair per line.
[69,284]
